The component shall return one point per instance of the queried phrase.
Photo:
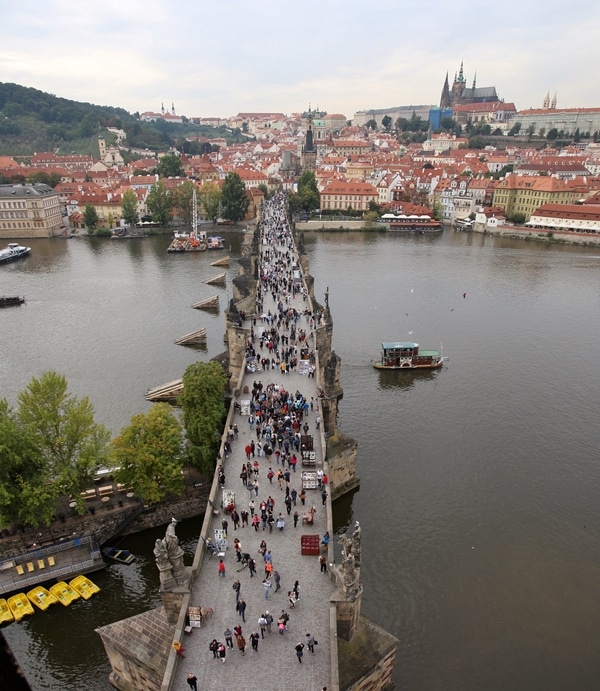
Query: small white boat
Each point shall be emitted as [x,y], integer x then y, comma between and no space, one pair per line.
[13,251]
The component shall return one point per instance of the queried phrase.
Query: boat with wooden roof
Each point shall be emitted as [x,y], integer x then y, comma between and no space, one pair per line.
[84,587]
[6,616]
[20,606]
[41,597]
[407,356]
[64,593]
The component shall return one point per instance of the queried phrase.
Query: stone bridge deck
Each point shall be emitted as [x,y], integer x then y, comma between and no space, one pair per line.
[275,665]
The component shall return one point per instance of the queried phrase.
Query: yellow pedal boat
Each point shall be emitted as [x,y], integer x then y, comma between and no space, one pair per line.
[20,606]
[64,593]
[41,597]
[6,616]
[84,587]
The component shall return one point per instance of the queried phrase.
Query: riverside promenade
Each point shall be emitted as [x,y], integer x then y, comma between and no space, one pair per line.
[275,664]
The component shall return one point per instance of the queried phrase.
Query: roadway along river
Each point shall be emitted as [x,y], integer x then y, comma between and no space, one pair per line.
[479,482]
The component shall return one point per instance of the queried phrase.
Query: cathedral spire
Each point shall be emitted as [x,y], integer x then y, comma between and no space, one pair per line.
[546,101]
[553,104]
[475,81]
[445,100]
[461,76]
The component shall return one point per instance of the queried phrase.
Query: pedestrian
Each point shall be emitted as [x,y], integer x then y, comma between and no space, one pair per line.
[288,505]
[303,496]
[324,495]
[221,568]
[235,518]
[222,652]
[254,638]
[323,562]
[268,569]
[178,648]
[262,623]
[277,579]
[256,522]
[214,647]
[270,521]
[237,631]
[267,587]
[280,522]
[251,506]
[256,487]
[192,681]
[292,599]
[296,516]
[228,637]
[241,607]
[225,525]
[241,644]
[236,586]
[310,642]
[300,651]
[297,590]
[251,567]
[294,495]
[244,517]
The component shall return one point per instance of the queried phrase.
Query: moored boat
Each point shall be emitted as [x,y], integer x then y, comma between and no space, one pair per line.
[123,556]
[215,242]
[406,355]
[11,300]
[13,251]
[84,587]
[20,606]
[6,616]
[41,597]
[64,593]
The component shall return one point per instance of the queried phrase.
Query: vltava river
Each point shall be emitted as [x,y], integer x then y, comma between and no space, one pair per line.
[479,482]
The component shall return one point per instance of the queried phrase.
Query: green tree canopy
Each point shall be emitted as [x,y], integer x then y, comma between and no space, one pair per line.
[386,122]
[308,191]
[51,179]
[63,432]
[234,201]
[203,405]
[90,217]
[159,203]
[129,208]
[210,195]
[371,124]
[183,196]
[170,166]
[148,454]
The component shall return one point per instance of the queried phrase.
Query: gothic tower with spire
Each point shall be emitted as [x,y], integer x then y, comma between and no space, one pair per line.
[309,151]
[445,100]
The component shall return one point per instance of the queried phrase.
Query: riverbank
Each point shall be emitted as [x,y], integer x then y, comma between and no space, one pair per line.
[539,235]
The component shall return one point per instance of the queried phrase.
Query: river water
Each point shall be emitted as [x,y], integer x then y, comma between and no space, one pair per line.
[479,482]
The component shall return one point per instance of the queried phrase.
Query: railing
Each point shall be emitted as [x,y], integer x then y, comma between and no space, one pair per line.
[128,518]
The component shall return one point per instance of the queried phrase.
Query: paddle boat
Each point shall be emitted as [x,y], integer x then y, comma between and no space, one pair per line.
[84,587]
[41,597]
[64,593]
[6,616]
[407,356]
[20,606]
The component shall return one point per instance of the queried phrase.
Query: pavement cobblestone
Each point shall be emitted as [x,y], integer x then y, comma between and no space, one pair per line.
[275,665]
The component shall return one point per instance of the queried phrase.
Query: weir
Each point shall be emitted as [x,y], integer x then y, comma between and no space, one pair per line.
[268,307]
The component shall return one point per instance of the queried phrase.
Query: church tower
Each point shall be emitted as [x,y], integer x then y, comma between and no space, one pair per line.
[459,86]
[553,104]
[309,151]
[445,100]
[546,104]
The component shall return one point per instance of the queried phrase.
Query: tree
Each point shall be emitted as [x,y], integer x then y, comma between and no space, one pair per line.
[514,130]
[22,475]
[183,196]
[159,203]
[51,179]
[129,208]
[577,136]
[386,122]
[308,191]
[63,432]
[437,210]
[210,196]
[371,124]
[552,134]
[203,406]
[90,217]
[148,454]
[234,201]
[170,166]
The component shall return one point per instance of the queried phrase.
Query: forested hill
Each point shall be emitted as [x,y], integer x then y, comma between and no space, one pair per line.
[32,120]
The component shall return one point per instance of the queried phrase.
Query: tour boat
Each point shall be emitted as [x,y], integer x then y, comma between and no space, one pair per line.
[123,556]
[41,597]
[84,587]
[20,606]
[13,251]
[407,356]
[6,616]
[64,593]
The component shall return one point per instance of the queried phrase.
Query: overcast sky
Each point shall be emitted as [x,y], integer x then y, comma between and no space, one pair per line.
[221,57]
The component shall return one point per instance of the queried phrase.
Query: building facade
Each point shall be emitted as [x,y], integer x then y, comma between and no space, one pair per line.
[524,194]
[30,211]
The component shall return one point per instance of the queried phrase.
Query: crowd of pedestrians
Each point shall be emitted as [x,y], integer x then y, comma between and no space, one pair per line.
[269,498]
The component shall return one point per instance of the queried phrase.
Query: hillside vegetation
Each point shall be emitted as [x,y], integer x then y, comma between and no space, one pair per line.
[32,120]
